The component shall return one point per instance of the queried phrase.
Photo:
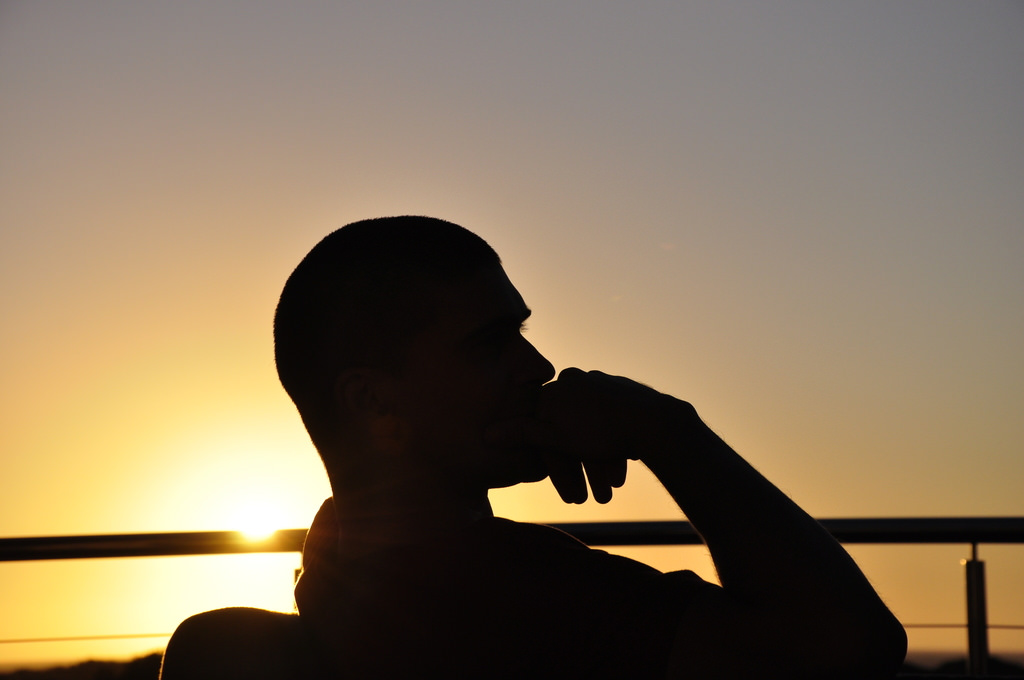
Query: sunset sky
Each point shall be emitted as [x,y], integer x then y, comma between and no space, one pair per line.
[806,218]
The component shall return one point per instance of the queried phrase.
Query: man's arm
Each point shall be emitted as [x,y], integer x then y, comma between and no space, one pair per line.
[793,604]
[791,597]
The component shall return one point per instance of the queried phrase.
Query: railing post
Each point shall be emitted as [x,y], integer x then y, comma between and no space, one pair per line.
[977,615]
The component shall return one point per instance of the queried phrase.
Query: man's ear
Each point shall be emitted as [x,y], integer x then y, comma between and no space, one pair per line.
[363,392]
[367,397]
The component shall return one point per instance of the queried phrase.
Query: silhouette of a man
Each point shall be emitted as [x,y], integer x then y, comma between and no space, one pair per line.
[399,340]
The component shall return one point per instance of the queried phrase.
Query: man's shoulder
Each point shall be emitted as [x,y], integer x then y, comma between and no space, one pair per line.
[238,642]
[240,622]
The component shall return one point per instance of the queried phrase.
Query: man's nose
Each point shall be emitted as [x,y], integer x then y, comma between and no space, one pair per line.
[534,366]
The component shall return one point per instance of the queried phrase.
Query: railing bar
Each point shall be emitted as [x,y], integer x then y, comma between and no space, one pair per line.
[851,531]
[147,545]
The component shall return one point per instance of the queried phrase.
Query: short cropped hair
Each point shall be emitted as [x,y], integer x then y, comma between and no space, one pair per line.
[356,299]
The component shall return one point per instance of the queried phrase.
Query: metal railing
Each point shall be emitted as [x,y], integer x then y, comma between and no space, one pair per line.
[933,530]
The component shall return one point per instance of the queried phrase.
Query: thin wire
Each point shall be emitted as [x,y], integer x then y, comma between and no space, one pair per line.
[1003,626]
[87,637]
[934,625]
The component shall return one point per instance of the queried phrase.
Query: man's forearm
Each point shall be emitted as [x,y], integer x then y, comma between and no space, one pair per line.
[772,558]
[758,537]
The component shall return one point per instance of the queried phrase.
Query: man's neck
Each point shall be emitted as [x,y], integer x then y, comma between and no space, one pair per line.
[388,514]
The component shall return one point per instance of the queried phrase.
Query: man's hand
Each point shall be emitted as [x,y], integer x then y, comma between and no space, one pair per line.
[585,421]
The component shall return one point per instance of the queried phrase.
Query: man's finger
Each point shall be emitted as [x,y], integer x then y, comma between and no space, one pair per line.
[567,477]
[617,472]
[599,479]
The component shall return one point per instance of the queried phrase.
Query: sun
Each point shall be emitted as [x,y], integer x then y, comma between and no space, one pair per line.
[256,520]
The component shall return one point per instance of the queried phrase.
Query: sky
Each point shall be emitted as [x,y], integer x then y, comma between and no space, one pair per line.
[805,218]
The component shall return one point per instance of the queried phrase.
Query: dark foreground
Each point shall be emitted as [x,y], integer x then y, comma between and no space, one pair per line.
[148,668]
[143,668]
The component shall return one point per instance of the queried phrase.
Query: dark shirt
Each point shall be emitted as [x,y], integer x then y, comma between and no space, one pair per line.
[499,599]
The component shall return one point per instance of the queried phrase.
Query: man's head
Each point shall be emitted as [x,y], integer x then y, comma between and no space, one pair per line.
[409,303]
